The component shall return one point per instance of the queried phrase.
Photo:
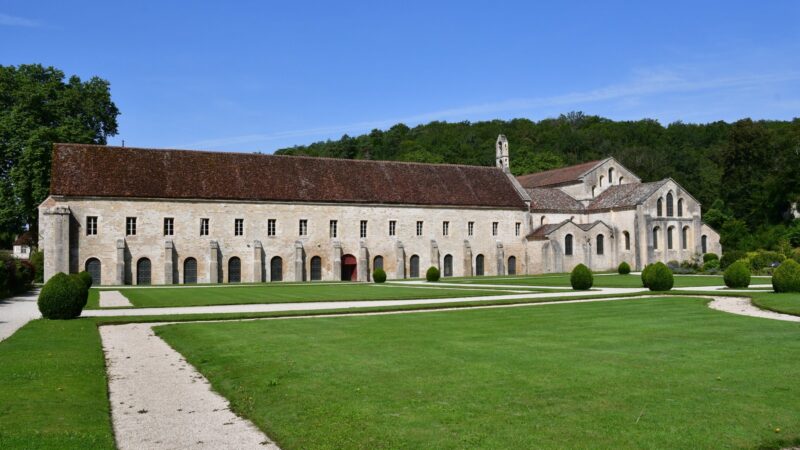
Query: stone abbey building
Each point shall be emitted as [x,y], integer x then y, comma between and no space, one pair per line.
[141,216]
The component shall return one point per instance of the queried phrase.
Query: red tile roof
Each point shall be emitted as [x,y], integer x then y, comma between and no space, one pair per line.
[564,175]
[103,171]
[543,199]
[625,195]
[26,238]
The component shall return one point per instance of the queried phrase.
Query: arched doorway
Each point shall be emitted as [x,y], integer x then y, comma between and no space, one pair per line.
[512,265]
[234,270]
[349,268]
[448,265]
[143,271]
[377,263]
[413,268]
[316,268]
[93,267]
[276,269]
[479,265]
[189,271]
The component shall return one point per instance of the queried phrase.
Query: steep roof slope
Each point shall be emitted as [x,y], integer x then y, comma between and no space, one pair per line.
[103,171]
[564,175]
[625,195]
[551,199]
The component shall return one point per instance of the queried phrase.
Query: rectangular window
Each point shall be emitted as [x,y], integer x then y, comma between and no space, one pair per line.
[392,228]
[517,227]
[334,226]
[363,230]
[419,228]
[238,227]
[494,228]
[445,228]
[91,225]
[303,227]
[130,226]
[271,228]
[169,226]
[470,228]
[203,227]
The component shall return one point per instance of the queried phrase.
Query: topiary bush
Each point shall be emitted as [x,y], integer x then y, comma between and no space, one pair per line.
[659,277]
[581,278]
[711,265]
[786,277]
[26,273]
[624,268]
[731,257]
[378,276]
[86,278]
[737,275]
[62,297]
[646,271]
[710,257]
[432,274]
[84,287]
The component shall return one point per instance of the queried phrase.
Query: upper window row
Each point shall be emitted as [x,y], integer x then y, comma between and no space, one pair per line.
[670,209]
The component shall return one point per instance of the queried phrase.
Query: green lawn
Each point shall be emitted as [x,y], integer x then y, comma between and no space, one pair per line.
[612,280]
[787,303]
[655,373]
[283,293]
[53,387]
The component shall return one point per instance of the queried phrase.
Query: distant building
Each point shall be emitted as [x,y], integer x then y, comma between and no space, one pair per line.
[139,216]
[24,245]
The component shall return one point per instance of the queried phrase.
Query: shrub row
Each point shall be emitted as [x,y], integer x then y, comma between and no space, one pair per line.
[16,276]
[64,296]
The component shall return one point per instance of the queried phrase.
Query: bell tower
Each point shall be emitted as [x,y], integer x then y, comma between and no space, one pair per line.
[501,157]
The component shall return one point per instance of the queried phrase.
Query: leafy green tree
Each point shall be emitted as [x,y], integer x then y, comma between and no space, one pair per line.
[39,107]
[745,165]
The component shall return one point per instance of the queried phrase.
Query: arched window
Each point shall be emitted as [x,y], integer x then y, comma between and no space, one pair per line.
[93,267]
[448,265]
[684,236]
[234,270]
[189,271]
[594,190]
[704,244]
[377,263]
[656,230]
[670,211]
[627,240]
[276,269]
[568,245]
[601,180]
[610,176]
[543,221]
[143,271]
[316,268]
[479,265]
[512,265]
[680,207]
[414,266]
[600,239]
[659,208]
[620,179]
[669,237]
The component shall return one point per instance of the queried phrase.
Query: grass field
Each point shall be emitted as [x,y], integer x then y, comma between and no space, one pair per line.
[600,280]
[284,293]
[783,303]
[666,373]
[53,388]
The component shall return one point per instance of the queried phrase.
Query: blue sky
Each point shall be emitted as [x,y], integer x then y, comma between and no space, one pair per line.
[258,76]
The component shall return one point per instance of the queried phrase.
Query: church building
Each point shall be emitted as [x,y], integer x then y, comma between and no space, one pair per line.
[144,216]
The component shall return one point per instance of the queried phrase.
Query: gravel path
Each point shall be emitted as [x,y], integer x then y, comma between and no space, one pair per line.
[158,400]
[743,307]
[16,312]
[113,299]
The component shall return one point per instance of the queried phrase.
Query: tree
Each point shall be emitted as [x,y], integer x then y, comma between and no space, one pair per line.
[745,165]
[38,107]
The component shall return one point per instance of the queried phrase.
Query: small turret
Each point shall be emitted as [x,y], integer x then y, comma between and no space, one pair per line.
[502,153]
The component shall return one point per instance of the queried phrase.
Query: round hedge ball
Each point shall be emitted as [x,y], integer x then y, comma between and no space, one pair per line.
[737,275]
[646,271]
[86,278]
[378,276]
[581,278]
[786,277]
[624,268]
[660,278]
[62,297]
[432,274]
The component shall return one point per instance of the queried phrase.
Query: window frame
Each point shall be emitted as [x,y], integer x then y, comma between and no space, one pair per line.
[272,227]
[302,227]
[204,226]
[238,226]
[362,229]
[333,229]
[495,227]
[169,226]
[470,228]
[392,228]
[130,226]
[445,228]
[420,227]
[91,225]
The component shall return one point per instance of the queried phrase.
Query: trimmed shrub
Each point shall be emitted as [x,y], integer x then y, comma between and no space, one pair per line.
[432,274]
[787,277]
[710,257]
[581,278]
[37,260]
[13,285]
[4,292]
[730,258]
[659,278]
[26,273]
[62,297]
[378,276]
[645,272]
[84,288]
[710,265]
[624,268]
[86,278]
[737,275]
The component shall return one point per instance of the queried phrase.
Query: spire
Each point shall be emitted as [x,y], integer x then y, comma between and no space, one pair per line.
[501,157]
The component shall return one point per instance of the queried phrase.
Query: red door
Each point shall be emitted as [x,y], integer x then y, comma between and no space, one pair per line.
[349,268]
